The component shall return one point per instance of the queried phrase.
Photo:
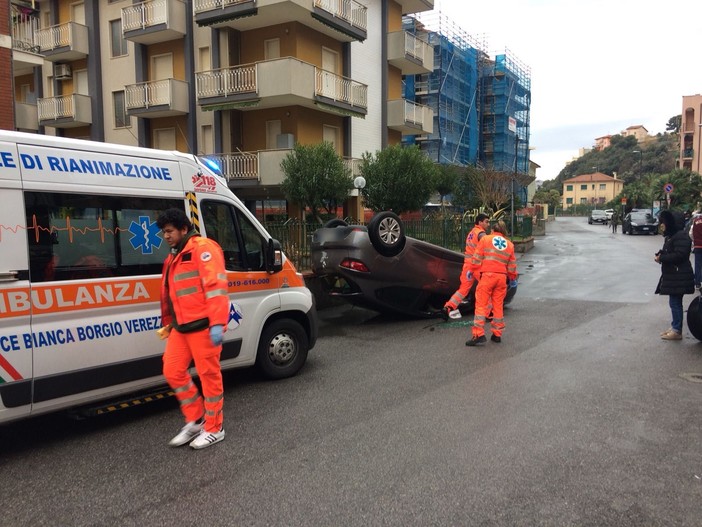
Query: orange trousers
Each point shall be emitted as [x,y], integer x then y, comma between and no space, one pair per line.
[462,292]
[491,292]
[181,350]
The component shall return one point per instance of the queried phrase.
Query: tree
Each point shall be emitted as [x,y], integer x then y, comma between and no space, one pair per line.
[398,178]
[315,177]
[552,197]
[673,124]
[446,178]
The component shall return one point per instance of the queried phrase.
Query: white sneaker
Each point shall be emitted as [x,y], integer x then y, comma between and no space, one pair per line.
[190,430]
[206,439]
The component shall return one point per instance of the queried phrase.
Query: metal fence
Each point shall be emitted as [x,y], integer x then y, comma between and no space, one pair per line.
[296,237]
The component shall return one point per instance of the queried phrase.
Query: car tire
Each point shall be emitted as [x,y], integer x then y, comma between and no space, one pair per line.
[387,233]
[694,318]
[282,350]
[336,222]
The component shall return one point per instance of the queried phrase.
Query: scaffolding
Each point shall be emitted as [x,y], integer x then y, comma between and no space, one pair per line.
[452,90]
[506,85]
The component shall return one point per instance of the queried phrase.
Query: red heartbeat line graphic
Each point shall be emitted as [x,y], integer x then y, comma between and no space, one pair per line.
[69,228]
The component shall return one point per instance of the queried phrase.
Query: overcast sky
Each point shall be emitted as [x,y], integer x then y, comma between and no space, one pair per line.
[597,67]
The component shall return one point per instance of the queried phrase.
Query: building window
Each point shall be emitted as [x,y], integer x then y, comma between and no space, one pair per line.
[583,187]
[583,201]
[603,186]
[121,117]
[81,236]
[569,188]
[117,42]
[569,201]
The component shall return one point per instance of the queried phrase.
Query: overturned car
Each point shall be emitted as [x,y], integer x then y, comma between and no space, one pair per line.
[381,268]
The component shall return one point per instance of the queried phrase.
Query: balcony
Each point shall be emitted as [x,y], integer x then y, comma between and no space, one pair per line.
[409,53]
[280,82]
[68,111]
[262,167]
[25,51]
[342,20]
[415,6]
[64,42]
[154,21]
[410,118]
[26,117]
[153,99]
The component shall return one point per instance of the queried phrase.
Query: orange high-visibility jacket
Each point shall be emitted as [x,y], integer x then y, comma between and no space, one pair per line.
[495,254]
[472,240]
[194,286]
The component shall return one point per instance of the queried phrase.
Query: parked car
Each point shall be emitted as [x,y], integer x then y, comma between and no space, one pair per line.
[640,221]
[609,213]
[597,216]
[381,268]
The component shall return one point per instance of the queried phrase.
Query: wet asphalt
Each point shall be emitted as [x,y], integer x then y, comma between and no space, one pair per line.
[581,416]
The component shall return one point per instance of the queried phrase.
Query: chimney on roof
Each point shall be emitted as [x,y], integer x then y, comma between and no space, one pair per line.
[614,175]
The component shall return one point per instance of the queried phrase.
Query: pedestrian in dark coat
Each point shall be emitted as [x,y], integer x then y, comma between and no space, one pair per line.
[677,278]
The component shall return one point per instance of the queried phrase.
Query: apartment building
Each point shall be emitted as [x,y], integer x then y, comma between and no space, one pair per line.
[590,189]
[691,133]
[238,81]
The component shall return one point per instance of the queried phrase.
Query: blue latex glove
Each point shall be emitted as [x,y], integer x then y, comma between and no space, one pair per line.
[469,275]
[216,334]
[512,284]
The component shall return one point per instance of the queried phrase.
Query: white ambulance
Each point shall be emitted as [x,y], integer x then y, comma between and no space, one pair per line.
[80,272]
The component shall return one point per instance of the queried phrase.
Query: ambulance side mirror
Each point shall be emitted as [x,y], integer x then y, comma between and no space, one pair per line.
[274,256]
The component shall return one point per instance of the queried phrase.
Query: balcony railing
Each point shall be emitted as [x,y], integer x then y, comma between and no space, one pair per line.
[139,21]
[410,118]
[279,82]
[159,98]
[263,165]
[409,53]
[227,81]
[340,89]
[24,28]
[200,6]
[67,110]
[67,41]
[350,11]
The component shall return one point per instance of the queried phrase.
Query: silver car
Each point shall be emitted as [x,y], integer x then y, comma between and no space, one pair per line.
[381,268]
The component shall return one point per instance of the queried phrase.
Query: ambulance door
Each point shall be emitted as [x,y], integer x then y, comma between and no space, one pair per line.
[15,298]
[253,296]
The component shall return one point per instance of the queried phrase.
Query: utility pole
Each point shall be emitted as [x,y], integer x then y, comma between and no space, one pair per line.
[514,176]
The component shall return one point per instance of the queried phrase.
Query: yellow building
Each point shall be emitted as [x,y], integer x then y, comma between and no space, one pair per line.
[590,189]
[239,81]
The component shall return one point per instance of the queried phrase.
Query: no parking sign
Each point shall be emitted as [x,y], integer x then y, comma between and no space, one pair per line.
[668,188]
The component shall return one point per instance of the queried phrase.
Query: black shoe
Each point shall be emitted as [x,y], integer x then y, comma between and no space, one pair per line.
[476,340]
[495,338]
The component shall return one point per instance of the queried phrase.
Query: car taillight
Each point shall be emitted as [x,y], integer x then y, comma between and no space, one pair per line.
[354,265]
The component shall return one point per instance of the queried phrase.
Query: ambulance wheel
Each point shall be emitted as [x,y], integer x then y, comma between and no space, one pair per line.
[282,350]
[386,233]
[694,318]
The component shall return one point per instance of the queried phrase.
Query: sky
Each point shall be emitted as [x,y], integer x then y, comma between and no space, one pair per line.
[597,67]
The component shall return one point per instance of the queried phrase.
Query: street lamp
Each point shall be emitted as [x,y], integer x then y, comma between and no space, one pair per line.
[640,161]
[595,185]
[514,176]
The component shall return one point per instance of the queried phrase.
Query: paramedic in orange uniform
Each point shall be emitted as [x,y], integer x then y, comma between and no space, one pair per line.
[194,314]
[482,222]
[494,264]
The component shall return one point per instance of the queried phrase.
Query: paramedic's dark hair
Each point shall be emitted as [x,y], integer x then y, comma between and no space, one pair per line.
[481,217]
[175,217]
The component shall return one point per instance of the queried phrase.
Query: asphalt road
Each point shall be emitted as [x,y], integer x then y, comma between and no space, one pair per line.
[581,416]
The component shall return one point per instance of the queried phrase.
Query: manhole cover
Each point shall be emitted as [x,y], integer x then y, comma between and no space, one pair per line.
[692,377]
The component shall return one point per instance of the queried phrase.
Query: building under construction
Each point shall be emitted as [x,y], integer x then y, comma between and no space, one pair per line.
[481,105]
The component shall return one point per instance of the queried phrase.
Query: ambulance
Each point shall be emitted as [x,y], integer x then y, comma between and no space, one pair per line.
[80,272]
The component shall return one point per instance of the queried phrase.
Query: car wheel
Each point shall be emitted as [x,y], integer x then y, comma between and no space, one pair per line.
[694,318]
[387,233]
[282,350]
[336,222]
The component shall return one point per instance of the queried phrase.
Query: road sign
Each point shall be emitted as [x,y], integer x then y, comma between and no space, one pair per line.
[668,188]
[623,201]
